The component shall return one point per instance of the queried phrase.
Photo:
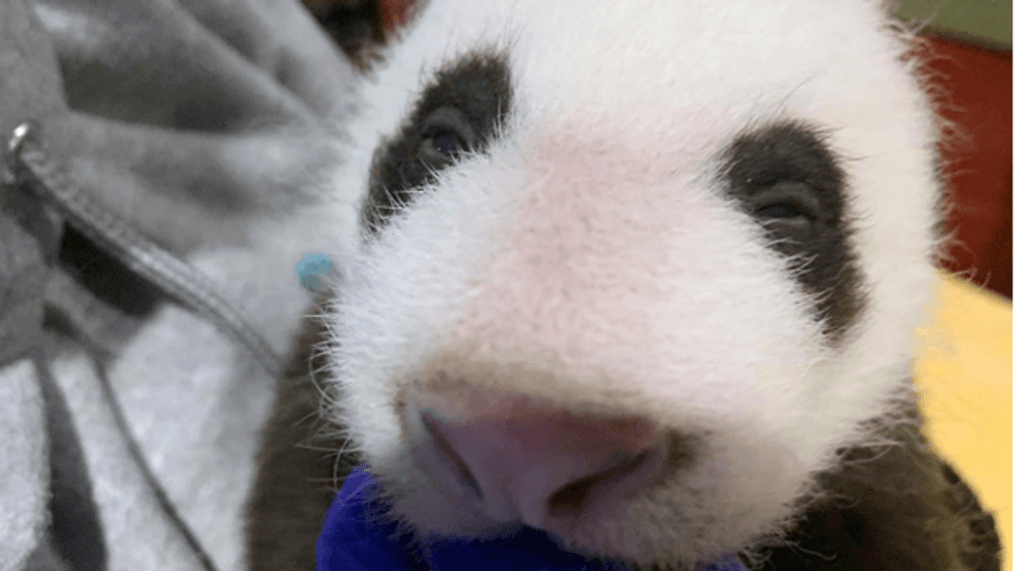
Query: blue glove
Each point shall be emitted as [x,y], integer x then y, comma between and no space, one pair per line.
[355,539]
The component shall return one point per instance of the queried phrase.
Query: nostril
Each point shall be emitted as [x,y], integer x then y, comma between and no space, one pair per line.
[570,499]
[539,465]
[451,458]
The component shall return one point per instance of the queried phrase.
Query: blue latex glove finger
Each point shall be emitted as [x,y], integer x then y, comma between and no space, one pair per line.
[356,537]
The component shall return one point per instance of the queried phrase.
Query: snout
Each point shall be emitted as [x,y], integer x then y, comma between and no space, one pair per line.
[528,461]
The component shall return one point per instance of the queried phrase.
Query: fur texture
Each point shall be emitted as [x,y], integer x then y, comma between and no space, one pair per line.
[590,249]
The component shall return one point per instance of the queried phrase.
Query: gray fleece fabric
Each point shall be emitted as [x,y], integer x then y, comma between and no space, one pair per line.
[128,421]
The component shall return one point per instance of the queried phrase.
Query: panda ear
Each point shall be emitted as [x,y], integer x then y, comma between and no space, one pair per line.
[356,26]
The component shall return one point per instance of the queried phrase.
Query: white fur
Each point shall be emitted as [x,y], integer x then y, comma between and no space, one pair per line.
[589,258]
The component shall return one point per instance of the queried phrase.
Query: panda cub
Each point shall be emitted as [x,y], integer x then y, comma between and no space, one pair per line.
[642,275]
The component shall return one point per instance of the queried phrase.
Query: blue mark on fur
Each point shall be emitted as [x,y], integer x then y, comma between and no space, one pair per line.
[311,268]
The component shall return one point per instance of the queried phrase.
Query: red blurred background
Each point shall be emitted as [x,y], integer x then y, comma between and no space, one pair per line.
[976,85]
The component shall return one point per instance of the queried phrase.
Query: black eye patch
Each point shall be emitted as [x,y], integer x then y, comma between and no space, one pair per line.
[785,177]
[457,114]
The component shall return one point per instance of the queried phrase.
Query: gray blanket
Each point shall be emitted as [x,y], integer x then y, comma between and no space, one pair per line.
[144,294]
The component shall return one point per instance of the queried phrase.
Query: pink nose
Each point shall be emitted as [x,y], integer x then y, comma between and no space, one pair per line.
[545,467]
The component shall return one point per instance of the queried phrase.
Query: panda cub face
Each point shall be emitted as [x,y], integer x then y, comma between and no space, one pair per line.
[631,272]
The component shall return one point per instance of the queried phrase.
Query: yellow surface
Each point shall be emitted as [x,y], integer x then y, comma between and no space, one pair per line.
[964,375]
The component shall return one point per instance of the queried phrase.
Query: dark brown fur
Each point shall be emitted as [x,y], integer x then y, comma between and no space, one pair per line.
[897,508]
[298,471]
[893,508]
[356,27]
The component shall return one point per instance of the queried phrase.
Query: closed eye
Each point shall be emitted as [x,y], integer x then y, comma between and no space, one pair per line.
[788,208]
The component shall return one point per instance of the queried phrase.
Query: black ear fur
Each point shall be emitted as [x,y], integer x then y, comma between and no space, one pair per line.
[356,27]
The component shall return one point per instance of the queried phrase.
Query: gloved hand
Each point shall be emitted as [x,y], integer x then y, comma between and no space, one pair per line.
[355,539]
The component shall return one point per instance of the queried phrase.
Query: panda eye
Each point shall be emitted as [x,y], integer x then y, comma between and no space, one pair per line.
[445,135]
[446,143]
[780,211]
[787,207]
